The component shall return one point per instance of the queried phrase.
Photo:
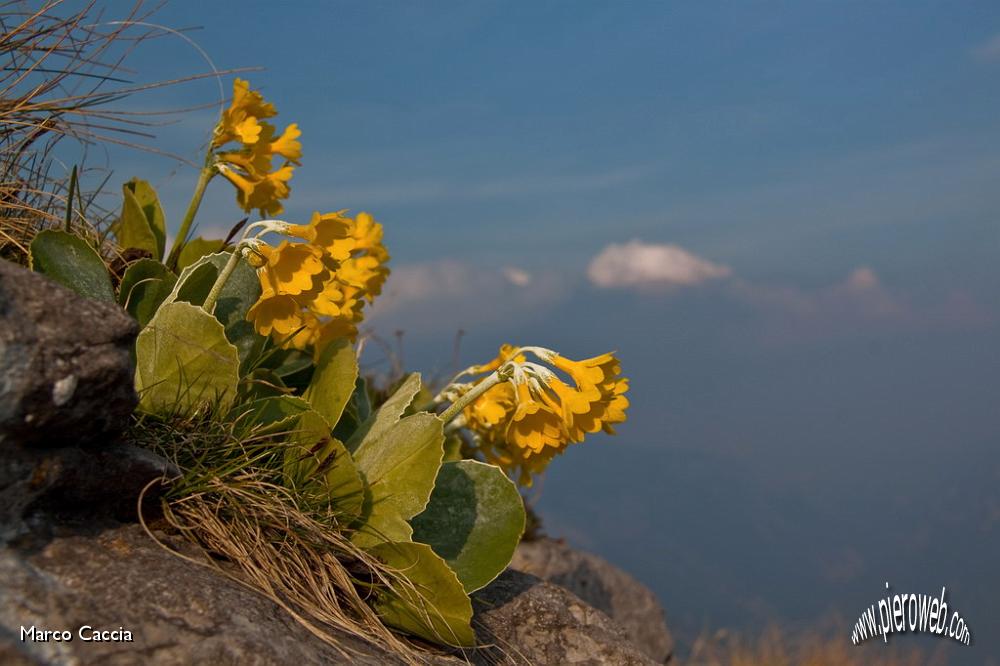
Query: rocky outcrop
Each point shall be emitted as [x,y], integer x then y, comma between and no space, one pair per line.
[176,612]
[529,621]
[66,393]
[67,377]
[42,489]
[605,587]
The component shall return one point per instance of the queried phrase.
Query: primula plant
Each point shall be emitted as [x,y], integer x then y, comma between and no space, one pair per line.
[336,500]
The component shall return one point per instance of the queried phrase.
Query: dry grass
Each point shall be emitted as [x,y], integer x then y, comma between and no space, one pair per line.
[313,572]
[55,66]
[62,67]
[777,647]
[230,502]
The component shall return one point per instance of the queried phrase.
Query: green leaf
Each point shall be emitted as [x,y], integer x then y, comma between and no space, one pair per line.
[145,285]
[361,400]
[183,361]
[194,284]
[241,291]
[474,521]
[196,280]
[196,248]
[149,202]
[141,224]
[287,362]
[318,466]
[357,410]
[333,380]
[436,607]
[399,468]
[273,414]
[453,448]
[261,383]
[388,414]
[70,261]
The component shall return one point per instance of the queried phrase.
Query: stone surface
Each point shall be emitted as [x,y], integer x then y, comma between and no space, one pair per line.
[181,613]
[65,370]
[530,621]
[603,586]
[41,489]
[178,612]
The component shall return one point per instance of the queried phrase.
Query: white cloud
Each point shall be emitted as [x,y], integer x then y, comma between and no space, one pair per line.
[448,295]
[858,301]
[637,264]
[862,279]
[989,50]
[859,304]
[517,276]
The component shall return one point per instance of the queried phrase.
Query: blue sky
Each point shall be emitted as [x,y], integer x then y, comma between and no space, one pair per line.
[809,309]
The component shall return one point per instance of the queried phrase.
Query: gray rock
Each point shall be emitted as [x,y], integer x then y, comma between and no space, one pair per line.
[177,612]
[66,376]
[182,613]
[529,621]
[605,587]
[42,489]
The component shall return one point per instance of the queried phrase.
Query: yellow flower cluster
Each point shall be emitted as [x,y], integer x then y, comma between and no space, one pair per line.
[522,424]
[314,291]
[249,167]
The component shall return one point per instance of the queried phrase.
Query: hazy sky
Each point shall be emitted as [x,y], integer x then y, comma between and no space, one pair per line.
[782,215]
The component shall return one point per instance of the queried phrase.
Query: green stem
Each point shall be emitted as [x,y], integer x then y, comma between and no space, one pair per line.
[220,282]
[482,387]
[207,172]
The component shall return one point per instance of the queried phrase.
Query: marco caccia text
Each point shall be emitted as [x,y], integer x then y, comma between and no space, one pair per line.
[86,633]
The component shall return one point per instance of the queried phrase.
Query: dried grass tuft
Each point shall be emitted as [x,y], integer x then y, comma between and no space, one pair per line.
[62,67]
[229,501]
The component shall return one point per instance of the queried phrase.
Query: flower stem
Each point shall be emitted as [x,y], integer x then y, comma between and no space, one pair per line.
[500,375]
[207,172]
[220,282]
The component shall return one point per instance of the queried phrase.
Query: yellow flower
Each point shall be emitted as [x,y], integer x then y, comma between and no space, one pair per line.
[356,243]
[523,423]
[291,269]
[535,426]
[317,333]
[573,401]
[305,336]
[249,167]
[287,145]
[492,409]
[263,194]
[367,232]
[276,313]
[506,354]
[241,121]
[334,301]
[366,269]
[599,401]
[516,431]
[365,273]
[331,231]
[255,159]
[597,371]
[331,276]
[330,294]
[334,329]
